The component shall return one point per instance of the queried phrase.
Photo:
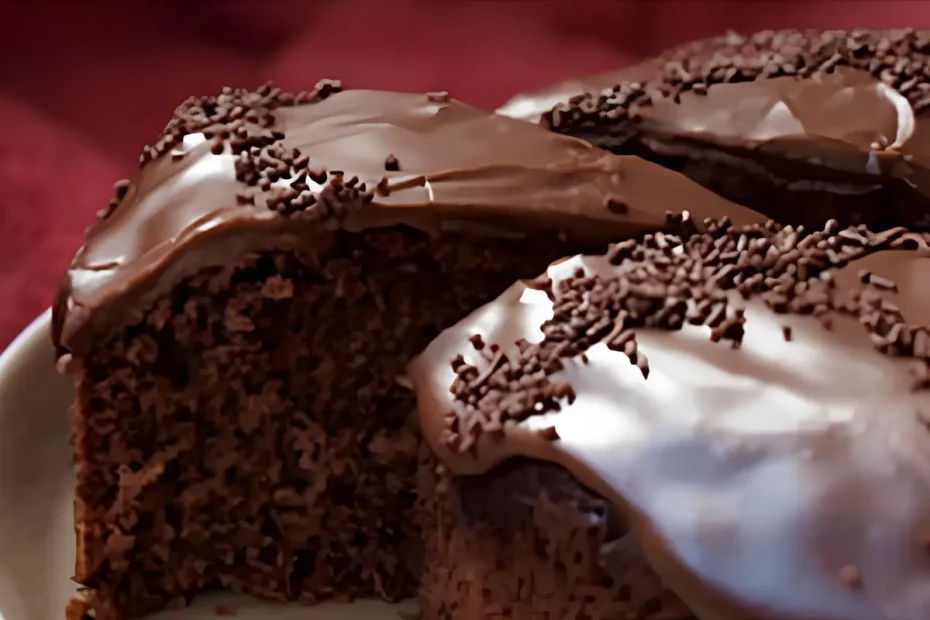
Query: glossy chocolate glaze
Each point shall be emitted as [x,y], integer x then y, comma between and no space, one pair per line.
[532,105]
[842,135]
[460,170]
[753,476]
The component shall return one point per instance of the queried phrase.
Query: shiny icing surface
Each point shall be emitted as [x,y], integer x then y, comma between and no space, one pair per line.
[832,122]
[530,106]
[847,125]
[846,110]
[460,169]
[845,106]
[754,476]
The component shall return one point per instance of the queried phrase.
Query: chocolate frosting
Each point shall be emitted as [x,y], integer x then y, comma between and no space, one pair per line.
[830,120]
[532,105]
[753,475]
[460,169]
[842,129]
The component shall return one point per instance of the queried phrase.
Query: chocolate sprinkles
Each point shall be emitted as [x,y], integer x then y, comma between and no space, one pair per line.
[667,280]
[896,57]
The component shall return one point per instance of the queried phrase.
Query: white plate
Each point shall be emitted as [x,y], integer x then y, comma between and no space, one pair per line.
[36,527]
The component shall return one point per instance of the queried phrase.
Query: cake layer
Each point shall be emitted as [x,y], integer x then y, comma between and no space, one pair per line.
[257,171]
[752,399]
[249,432]
[528,540]
[802,126]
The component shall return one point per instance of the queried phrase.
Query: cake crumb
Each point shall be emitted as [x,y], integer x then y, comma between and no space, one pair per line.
[277,288]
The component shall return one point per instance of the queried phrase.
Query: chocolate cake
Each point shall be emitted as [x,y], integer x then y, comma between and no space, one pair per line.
[239,321]
[753,401]
[800,125]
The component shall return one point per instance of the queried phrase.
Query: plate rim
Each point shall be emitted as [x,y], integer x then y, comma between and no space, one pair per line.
[25,340]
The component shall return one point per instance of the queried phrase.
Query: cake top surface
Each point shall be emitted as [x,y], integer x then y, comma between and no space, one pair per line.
[893,57]
[855,101]
[758,397]
[248,170]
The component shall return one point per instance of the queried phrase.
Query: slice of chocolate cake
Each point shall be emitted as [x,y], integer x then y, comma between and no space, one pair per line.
[802,126]
[753,401]
[237,321]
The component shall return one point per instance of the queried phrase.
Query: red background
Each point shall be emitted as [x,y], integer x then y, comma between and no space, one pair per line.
[84,84]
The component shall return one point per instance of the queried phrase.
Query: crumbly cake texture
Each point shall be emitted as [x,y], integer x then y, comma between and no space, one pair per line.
[249,432]
[240,318]
[745,116]
[528,540]
[517,390]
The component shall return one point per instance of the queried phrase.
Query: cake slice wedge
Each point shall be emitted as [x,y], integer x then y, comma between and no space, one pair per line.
[746,407]
[239,321]
[801,125]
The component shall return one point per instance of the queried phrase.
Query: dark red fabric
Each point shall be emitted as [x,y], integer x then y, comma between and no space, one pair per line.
[83,85]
